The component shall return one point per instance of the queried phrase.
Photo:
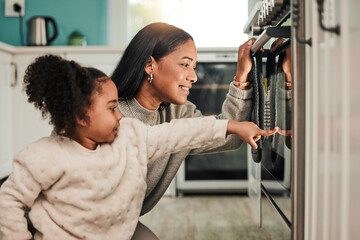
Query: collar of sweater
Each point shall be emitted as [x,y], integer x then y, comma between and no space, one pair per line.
[133,109]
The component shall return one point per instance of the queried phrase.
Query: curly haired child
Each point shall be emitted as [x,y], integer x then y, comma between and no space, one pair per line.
[89,181]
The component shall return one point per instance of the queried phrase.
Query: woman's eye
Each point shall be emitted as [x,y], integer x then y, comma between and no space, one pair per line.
[185,65]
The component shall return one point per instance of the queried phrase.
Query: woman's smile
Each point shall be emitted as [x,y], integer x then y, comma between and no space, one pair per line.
[185,89]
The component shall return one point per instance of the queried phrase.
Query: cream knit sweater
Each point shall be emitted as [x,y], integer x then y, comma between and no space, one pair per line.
[76,193]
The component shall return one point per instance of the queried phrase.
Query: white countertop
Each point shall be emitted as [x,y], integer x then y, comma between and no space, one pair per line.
[59,49]
[6,47]
[88,49]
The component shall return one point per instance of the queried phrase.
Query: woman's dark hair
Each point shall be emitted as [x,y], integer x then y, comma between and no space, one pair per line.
[156,40]
[62,89]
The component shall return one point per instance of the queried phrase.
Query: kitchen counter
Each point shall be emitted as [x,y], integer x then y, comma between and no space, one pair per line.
[59,49]
[88,49]
[7,48]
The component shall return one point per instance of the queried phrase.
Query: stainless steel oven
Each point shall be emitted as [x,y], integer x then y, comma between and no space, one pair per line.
[220,172]
[271,180]
[227,172]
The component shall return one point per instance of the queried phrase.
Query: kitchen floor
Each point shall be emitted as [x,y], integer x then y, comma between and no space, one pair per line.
[215,217]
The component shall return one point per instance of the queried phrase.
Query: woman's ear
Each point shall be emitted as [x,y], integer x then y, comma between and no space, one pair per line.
[149,66]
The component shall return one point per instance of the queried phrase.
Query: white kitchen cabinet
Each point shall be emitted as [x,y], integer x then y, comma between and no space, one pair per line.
[28,123]
[105,62]
[25,123]
[6,139]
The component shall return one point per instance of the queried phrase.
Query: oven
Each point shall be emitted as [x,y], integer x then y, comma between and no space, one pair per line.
[224,172]
[271,167]
[228,172]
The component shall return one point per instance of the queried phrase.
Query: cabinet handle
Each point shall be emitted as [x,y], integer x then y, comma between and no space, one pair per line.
[14,80]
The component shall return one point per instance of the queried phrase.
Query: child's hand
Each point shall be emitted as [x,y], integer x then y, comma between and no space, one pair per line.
[248,132]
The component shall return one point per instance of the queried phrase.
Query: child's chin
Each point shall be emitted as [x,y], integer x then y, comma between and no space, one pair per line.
[111,140]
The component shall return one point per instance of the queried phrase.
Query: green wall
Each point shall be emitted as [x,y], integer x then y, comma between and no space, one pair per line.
[87,16]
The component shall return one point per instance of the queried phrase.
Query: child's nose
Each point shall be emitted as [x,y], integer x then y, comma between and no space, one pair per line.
[118,114]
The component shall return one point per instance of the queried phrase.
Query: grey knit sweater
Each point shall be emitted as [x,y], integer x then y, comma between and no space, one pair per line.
[237,106]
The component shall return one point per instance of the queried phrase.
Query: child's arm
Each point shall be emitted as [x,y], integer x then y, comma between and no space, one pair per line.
[185,133]
[17,192]
[248,132]
[191,133]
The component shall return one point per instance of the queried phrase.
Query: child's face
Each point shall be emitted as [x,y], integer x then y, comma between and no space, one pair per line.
[104,114]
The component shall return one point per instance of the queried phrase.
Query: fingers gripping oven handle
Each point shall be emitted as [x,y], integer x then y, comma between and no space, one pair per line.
[270,32]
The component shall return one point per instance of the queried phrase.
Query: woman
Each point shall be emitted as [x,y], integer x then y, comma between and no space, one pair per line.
[153,78]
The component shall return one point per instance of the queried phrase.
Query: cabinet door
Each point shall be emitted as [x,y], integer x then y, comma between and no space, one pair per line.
[6,148]
[28,124]
[105,62]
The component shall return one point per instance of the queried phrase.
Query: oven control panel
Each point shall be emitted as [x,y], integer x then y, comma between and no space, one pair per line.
[267,13]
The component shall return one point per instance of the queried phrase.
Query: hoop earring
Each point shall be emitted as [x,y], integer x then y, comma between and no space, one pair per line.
[150,78]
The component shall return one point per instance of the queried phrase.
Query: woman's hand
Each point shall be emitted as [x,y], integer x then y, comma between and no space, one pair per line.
[248,131]
[287,59]
[244,64]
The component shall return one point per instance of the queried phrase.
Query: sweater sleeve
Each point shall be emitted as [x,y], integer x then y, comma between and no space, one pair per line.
[18,192]
[237,106]
[180,134]
[33,172]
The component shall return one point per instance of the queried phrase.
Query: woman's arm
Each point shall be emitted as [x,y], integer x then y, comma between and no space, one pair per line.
[238,103]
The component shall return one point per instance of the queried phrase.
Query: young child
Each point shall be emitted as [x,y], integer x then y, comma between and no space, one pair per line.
[89,181]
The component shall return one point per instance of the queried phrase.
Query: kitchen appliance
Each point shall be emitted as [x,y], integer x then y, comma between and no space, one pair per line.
[38,31]
[219,172]
[270,172]
[226,172]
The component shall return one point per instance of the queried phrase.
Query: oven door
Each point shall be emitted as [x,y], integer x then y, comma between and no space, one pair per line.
[219,172]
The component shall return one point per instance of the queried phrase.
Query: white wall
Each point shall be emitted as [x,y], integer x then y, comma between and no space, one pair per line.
[332,190]
[118,23]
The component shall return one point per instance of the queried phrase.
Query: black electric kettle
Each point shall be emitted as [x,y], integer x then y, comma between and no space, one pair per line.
[38,31]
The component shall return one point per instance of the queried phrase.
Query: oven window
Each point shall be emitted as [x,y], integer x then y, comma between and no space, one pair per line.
[220,166]
[208,94]
[276,152]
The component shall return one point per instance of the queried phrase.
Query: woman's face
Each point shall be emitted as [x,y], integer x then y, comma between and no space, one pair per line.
[174,74]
